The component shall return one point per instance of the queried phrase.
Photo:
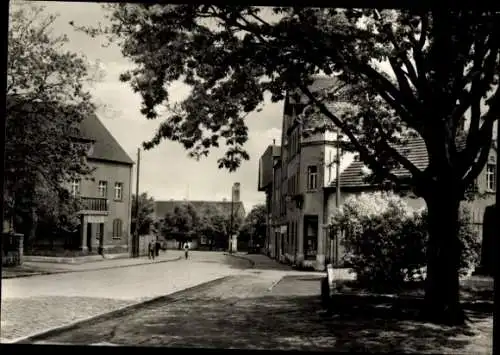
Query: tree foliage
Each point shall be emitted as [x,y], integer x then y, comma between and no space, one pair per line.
[443,68]
[385,240]
[254,226]
[181,222]
[144,214]
[46,101]
[213,225]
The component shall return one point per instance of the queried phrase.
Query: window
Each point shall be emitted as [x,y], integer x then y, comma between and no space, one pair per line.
[491,177]
[103,188]
[117,228]
[75,188]
[118,191]
[472,187]
[312,177]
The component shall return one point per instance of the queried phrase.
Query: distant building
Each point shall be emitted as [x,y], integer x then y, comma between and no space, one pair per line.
[200,241]
[301,193]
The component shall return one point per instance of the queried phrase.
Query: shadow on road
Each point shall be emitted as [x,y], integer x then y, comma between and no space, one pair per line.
[282,322]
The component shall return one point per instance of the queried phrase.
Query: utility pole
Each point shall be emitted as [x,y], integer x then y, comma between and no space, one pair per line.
[136,232]
[231,222]
[337,196]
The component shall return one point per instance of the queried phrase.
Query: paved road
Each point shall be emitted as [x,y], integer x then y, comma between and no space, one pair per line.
[33,304]
[246,312]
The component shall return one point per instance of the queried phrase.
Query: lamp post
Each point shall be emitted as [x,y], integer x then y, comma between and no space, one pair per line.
[231,223]
[136,212]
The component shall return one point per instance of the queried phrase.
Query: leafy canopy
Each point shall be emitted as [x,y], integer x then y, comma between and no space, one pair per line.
[46,101]
[254,226]
[440,66]
[144,214]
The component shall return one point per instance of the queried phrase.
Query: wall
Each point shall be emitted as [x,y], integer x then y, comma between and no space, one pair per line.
[112,173]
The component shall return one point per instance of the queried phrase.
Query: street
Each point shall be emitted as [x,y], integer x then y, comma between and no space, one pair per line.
[236,304]
[34,304]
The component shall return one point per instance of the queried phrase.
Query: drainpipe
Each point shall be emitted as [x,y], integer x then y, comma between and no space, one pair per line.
[496,292]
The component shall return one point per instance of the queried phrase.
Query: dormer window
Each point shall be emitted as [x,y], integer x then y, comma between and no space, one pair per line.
[90,148]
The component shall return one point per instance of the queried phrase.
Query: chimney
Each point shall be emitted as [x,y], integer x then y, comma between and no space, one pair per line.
[236,192]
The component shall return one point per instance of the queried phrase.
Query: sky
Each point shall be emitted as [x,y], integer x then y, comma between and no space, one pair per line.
[166,172]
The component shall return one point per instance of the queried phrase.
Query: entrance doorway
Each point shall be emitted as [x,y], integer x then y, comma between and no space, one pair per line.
[311,224]
[89,237]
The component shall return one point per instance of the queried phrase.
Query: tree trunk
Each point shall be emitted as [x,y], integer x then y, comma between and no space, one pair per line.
[442,293]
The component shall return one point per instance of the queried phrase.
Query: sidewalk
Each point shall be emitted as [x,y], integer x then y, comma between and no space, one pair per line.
[263,262]
[31,268]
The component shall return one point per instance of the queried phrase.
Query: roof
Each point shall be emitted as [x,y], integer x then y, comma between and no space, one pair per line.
[164,207]
[415,151]
[105,146]
[320,83]
[90,129]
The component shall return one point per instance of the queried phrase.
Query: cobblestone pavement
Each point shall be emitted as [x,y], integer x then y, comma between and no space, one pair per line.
[243,312]
[37,303]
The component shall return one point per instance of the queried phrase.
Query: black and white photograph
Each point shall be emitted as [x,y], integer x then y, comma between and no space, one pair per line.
[248,177]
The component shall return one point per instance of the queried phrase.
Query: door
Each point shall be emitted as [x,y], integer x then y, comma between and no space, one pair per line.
[89,236]
[100,237]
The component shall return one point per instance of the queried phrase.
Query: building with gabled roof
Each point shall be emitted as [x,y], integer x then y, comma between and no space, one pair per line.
[304,185]
[107,196]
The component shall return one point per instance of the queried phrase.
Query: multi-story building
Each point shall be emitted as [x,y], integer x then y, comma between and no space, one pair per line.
[303,191]
[107,194]
[269,159]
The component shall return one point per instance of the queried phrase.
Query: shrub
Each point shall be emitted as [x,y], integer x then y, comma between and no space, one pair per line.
[385,239]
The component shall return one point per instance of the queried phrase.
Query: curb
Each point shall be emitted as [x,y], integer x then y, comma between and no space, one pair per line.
[252,263]
[173,297]
[43,273]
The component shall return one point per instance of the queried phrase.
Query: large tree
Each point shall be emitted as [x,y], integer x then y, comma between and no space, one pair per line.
[46,101]
[442,67]
[213,225]
[144,214]
[180,223]
[254,227]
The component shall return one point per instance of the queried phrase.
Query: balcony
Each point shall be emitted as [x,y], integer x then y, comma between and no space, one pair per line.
[94,205]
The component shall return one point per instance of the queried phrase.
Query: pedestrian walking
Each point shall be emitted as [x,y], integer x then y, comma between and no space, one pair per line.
[186,250]
[151,250]
[157,247]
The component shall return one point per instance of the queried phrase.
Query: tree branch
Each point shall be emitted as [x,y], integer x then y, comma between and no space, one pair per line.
[468,97]
[407,164]
[476,141]
[364,153]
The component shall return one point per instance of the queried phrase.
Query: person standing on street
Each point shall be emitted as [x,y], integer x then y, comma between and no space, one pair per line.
[151,250]
[186,250]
